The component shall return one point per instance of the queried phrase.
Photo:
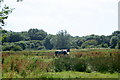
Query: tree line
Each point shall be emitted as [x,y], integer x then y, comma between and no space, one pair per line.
[38,39]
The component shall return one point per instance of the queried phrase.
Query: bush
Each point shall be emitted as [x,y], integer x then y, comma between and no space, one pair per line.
[6,48]
[89,44]
[88,69]
[16,48]
[80,65]
[70,64]
[14,37]
[11,48]
[34,44]
[105,64]
[40,47]
[22,44]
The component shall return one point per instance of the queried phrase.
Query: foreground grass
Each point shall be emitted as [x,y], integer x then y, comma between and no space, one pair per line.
[72,74]
[43,64]
[65,74]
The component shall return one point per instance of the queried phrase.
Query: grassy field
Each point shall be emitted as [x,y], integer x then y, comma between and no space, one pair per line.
[81,63]
[64,74]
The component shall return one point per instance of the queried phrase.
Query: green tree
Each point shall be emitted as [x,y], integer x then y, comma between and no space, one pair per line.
[118,45]
[76,42]
[89,44]
[11,47]
[47,42]
[63,40]
[22,44]
[113,41]
[54,41]
[118,42]
[104,40]
[14,37]
[25,35]
[4,38]
[33,44]
[116,33]
[36,34]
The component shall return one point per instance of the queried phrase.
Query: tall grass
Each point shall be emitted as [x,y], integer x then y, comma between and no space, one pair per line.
[28,63]
[70,64]
[105,64]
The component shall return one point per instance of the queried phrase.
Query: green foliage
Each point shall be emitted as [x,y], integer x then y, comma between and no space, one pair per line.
[59,41]
[4,38]
[113,41]
[3,31]
[116,33]
[27,64]
[11,48]
[16,48]
[40,48]
[4,12]
[25,35]
[47,42]
[14,37]
[70,64]
[24,64]
[105,64]
[76,42]
[89,44]
[22,44]
[25,45]
[62,40]
[118,44]
[104,45]
[36,34]
[34,44]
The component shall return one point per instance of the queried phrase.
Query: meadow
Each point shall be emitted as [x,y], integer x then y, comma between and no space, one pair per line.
[80,63]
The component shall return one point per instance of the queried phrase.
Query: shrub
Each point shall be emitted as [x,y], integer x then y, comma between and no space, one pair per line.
[6,48]
[105,64]
[16,48]
[88,69]
[11,47]
[40,47]
[89,44]
[68,64]
[34,44]
[80,65]
[22,44]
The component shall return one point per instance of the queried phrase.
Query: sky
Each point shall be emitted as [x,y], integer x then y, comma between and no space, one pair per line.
[78,17]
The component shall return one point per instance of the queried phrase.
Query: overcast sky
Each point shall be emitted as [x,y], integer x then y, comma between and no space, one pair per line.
[78,17]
